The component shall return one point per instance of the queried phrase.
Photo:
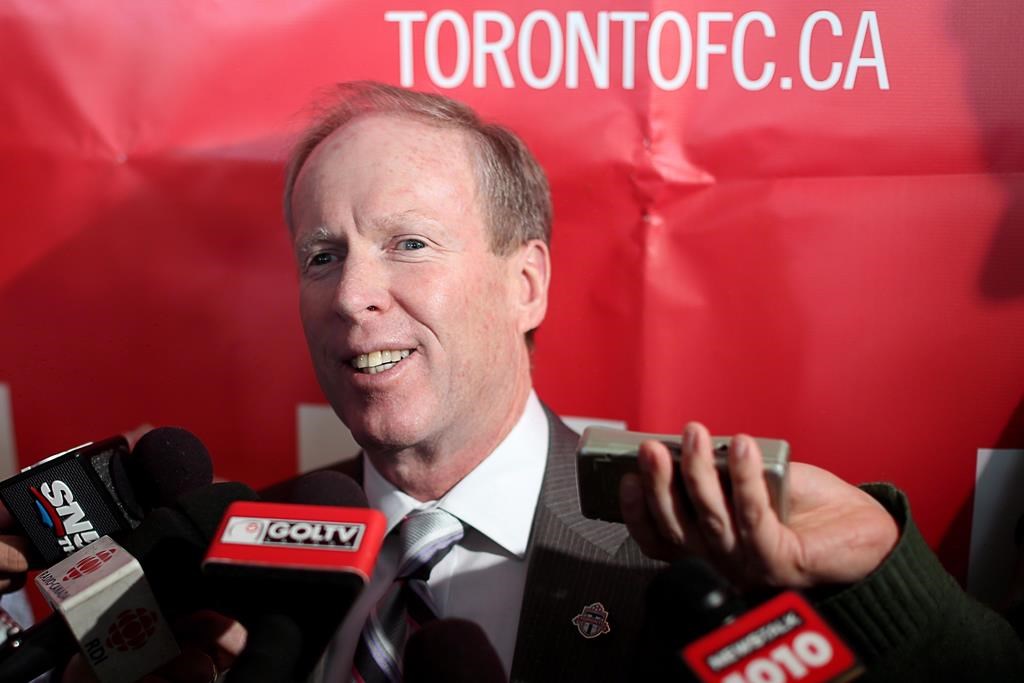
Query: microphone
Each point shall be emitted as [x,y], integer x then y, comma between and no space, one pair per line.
[104,603]
[293,571]
[71,499]
[451,650]
[165,463]
[698,629]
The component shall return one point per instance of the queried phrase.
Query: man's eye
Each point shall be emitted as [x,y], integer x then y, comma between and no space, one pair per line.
[410,244]
[321,259]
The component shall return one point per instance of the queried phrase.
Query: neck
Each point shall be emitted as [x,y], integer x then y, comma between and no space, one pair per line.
[427,471]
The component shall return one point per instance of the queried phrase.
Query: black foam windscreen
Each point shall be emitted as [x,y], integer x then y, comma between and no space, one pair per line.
[683,602]
[166,462]
[205,506]
[272,649]
[325,487]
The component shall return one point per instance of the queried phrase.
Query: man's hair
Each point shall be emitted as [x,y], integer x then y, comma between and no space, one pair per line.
[511,184]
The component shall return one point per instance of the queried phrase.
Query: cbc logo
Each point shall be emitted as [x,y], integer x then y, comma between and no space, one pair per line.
[243,531]
[87,565]
[131,629]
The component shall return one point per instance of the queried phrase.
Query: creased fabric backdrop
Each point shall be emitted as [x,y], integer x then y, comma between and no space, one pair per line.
[832,257]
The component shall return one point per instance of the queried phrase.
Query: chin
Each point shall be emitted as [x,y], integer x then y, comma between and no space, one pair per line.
[392,431]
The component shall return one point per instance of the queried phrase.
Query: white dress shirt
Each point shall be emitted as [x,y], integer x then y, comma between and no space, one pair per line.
[483,577]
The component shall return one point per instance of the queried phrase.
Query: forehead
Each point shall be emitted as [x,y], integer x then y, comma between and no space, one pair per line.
[388,159]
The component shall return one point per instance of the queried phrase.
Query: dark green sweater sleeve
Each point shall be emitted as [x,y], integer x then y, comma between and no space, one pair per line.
[910,621]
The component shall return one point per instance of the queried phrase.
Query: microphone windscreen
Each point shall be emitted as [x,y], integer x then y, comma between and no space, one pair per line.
[273,645]
[325,487]
[165,463]
[683,602]
[205,506]
[691,587]
[452,650]
[171,541]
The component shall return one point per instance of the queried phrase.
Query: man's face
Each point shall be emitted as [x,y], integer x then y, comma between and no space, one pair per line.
[412,323]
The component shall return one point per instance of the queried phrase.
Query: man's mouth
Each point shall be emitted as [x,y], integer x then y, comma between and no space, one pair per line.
[378,361]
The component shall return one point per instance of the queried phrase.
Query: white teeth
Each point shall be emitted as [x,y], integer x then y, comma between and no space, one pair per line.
[379,361]
[381,368]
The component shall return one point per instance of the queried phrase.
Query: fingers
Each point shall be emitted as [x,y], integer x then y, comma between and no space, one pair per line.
[193,665]
[650,505]
[220,637]
[638,518]
[656,474]
[755,519]
[13,562]
[133,435]
[759,529]
[704,488]
[736,530]
[209,643]
[77,671]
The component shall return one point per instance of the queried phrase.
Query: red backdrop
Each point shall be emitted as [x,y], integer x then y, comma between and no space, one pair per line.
[833,261]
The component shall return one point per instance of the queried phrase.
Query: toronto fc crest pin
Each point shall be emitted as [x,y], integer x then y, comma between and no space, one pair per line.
[592,621]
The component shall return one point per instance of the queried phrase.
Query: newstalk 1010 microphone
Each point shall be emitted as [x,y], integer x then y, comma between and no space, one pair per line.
[293,571]
[780,640]
[71,499]
[699,629]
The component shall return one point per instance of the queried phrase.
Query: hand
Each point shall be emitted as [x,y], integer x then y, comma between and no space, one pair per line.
[14,551]
[835,533]
[133,435]
[209,644]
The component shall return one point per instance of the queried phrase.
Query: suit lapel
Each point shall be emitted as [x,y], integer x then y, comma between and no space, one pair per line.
[573,563]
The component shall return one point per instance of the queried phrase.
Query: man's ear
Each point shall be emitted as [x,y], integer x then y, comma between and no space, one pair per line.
[534,276]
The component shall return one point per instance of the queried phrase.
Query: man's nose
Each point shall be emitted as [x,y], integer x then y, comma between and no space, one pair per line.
[362,288]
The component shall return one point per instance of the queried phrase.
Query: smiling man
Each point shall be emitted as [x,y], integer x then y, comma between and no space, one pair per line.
[421,240]
[415,319]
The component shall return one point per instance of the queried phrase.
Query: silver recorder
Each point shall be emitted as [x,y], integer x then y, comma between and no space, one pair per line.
[604,455]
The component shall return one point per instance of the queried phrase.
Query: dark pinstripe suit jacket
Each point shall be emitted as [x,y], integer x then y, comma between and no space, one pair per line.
[572,562]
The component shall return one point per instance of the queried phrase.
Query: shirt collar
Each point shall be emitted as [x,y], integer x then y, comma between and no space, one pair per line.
[497,498]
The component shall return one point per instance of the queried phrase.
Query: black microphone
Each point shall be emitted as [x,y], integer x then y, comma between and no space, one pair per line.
[165,463]
[293,571]
[169,544]
[697,628]
[682,603]
[451,650]
[73,498]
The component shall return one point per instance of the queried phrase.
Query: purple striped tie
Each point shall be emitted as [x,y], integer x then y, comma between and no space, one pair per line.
[426,536]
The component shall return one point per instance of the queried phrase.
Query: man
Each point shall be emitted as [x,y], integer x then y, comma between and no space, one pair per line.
[421,240]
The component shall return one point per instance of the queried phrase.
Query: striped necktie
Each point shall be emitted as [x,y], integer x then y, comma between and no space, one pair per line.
[425,537]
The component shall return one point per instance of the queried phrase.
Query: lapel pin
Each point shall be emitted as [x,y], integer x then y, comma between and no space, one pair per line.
[592,621]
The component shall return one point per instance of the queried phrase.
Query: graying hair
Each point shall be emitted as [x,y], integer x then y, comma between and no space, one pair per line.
[517,200]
